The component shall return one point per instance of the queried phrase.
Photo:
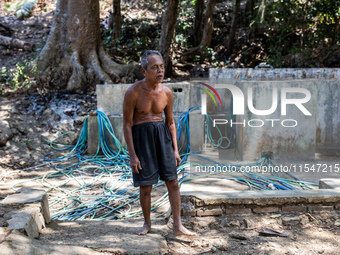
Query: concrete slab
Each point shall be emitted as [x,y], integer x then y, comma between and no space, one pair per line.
[330,183]
[275,197]
[29,196]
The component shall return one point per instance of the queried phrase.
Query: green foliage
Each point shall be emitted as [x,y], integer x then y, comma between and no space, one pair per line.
[298,25]
[22,8]
[20,78]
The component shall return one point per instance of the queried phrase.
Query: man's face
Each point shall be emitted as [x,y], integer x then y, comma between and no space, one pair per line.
[155,71]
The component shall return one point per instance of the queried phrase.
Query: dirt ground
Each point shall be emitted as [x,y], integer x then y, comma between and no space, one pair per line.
[27,116]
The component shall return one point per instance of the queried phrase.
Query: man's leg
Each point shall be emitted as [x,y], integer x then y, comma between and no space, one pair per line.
[145,201]
[175,202]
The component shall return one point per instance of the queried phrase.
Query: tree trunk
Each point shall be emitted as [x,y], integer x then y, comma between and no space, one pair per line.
[73,54]
[207,33]
[198,22]
[250,10]
[116,20]
[233,28]
[168,34]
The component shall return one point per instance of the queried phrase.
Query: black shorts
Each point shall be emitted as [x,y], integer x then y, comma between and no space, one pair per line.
[153,145]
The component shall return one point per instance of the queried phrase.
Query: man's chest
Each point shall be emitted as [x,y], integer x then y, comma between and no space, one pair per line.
[151,102]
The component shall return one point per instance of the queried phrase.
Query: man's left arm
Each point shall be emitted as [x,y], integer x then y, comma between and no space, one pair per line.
[169,121]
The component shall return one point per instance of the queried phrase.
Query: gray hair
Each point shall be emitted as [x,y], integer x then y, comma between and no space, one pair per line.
[144,59]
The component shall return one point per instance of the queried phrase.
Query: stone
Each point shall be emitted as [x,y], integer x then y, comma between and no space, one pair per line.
[188,209]
[25,223]
[337,223]
[294,208]
[49,117]
[321,208]
[238,235]
[266,209]
[209,212]
[232,210]
[290,221]
[79,120]
[234,223]
[248,223]
[5,133]
[304,219]
[69,112]
[29,196]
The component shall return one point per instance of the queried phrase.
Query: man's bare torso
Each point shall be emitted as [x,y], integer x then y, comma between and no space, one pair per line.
[149,103]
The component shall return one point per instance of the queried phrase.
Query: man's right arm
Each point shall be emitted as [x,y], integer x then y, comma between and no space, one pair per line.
[128,111]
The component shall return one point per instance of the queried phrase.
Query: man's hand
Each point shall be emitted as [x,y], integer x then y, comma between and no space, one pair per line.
[178,159]
[135,164]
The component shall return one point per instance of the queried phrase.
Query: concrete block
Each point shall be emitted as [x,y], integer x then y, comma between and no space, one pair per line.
[270,209]
[329,183]
[29,196]
[235,210]
[93,133]
[291,221]
[320,208]
[294,208]
[196,130]
[24,222]
[209,212]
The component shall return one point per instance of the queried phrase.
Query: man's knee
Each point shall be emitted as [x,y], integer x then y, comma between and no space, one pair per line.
[145,190]
[173,184]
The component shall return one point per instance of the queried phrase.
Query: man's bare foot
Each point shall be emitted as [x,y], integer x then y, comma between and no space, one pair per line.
[144,230]
[181,230]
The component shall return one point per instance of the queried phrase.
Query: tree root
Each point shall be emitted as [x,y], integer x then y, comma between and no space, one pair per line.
[77,78]
[101,75]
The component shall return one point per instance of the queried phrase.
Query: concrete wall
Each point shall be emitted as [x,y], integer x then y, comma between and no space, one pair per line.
[328,115]
[110,99]
[325,100]
[293,143]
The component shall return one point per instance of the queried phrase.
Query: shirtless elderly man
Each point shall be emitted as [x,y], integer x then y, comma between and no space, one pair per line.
[151,143]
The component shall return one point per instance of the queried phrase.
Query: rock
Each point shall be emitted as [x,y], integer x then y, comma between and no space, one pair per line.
[337,223]
[69,112]
[290,221]
[248,223]
[221,244]
[234,223]
[188,209]
[304,219]
[49,116]
[5,133]
[79,120]
[238,235]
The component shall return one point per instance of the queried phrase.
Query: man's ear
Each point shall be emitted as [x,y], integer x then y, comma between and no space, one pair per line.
[143,71]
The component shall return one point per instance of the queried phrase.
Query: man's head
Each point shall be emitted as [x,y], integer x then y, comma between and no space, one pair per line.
[152,66]
[144,58]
